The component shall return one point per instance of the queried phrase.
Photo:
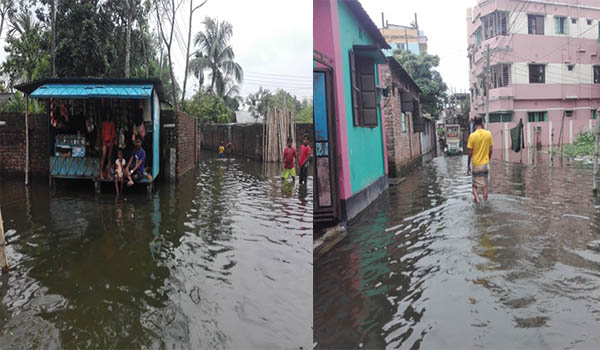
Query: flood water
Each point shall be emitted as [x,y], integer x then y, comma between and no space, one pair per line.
[221,259]
[425,267]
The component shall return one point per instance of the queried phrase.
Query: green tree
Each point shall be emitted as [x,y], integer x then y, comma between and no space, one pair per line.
[208,108]
[305,114]
[16,103]
[215,55]
[422,69]
[258,103]
[27,49]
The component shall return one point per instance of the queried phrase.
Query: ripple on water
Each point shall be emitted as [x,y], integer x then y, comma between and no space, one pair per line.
[426,267]
[203,264]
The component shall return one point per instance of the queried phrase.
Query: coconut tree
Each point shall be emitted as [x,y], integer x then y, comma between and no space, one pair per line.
[215,55]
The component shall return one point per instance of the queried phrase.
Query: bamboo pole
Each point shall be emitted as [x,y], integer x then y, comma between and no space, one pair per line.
[596,139]
[26,140]
[3,260]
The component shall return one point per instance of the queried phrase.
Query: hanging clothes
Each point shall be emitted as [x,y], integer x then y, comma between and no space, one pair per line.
[516,136]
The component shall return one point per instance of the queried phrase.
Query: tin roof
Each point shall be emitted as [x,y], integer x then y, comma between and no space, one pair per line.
[93,91]
[93,87]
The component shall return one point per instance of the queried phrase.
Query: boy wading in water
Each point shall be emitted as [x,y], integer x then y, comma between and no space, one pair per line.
[305,156]
[289,161]
[480,147]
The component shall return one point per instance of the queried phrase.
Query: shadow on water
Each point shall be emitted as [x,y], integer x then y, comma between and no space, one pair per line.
[222,259]
[425,267]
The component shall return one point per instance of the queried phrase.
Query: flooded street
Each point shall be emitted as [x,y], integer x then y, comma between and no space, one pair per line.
[425,267]
[221,259]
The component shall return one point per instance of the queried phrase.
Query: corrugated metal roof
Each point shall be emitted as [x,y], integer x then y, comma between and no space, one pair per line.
[31,86]
[93,91]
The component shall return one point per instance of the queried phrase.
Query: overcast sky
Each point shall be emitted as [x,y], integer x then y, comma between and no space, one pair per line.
[444,23]
[272,41]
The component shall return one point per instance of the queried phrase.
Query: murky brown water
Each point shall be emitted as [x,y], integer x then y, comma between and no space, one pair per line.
[222,259]
[427,268]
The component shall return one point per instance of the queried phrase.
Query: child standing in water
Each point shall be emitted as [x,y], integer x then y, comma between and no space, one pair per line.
[305,156]
[289,161]
[120,165]
[221,150]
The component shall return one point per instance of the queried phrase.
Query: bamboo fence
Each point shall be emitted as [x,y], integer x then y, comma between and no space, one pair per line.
[278,126]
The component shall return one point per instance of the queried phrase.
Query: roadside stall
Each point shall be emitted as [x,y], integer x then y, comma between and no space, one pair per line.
[91,119]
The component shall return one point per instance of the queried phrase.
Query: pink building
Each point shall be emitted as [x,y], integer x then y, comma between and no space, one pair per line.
[544,67]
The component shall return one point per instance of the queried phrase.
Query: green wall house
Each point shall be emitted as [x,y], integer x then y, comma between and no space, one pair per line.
[347,98]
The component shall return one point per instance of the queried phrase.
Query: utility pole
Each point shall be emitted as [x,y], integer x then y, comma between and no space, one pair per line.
[487,88]
[406,39]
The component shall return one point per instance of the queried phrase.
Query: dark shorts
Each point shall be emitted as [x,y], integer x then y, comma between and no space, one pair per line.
[304,172]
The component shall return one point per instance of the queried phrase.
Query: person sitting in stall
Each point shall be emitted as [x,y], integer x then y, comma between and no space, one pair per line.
[139,155]
[108,141]
[120,172]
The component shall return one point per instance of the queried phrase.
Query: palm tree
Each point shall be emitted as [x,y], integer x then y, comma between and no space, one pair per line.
[230,94]
[215,55]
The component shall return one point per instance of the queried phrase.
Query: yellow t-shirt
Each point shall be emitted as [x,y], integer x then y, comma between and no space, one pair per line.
[480,142]
[221,149]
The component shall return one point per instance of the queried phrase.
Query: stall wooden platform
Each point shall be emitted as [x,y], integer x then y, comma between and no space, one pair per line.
[86,168]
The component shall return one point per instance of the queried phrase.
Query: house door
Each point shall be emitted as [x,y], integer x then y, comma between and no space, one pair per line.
[325,184]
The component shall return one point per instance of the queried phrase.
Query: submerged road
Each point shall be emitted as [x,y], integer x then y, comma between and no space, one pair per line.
[222,259]
[425,267]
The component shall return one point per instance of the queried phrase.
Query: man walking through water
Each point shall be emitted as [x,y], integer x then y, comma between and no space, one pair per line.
[480,147]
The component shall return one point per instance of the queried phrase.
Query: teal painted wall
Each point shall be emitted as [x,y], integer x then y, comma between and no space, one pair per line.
[365,145]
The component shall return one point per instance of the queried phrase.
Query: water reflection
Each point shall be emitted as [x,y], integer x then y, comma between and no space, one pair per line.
[425,267]
[220,260]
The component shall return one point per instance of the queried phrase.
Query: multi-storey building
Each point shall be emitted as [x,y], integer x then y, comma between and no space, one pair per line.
[401,37]
[544,67]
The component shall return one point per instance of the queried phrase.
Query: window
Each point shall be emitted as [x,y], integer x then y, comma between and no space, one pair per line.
[568,114]
[589,22]
[478,37]
[500,75]
[537,74]
[495,24]
[570,67]
[533,117]
[403,122]
[574,20]
[501,117]
[596,74]
[561,26]
[594,114]
[535,24]
[364,95]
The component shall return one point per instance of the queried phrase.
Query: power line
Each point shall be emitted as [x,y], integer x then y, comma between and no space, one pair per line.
[279,75]
[291,80]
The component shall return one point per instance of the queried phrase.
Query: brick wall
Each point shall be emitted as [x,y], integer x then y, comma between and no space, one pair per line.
[403,148]
[187,140]
[246,139]
[12,144]
[184,137]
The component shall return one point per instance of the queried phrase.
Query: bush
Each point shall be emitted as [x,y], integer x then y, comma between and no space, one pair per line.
[582,146]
